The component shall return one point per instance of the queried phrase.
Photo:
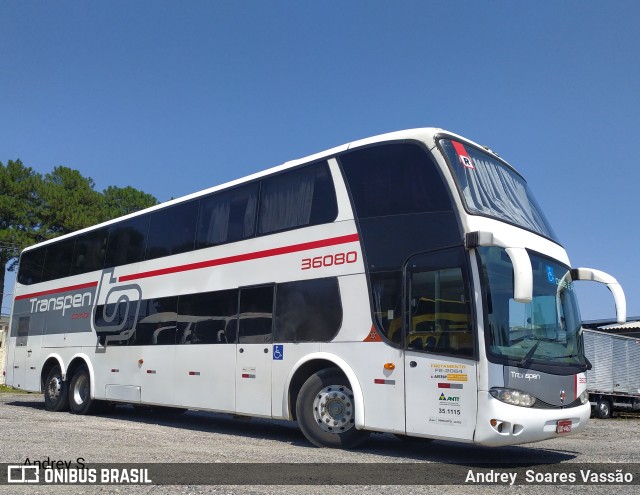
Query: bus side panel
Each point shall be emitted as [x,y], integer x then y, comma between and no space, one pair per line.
[114,366]
[382,389]
[204,376]
[285,357]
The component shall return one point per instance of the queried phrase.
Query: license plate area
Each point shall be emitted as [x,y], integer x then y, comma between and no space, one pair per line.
[563,426]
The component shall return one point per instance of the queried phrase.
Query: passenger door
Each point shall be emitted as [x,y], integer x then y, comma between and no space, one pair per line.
[440,364]
[253,351]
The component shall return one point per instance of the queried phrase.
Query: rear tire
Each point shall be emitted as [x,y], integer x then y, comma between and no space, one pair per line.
[325,411]
[80,401]
[56,391]
[603,408]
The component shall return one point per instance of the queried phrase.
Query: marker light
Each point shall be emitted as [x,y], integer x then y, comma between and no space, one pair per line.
[140,361]
[513,397]
[389,366]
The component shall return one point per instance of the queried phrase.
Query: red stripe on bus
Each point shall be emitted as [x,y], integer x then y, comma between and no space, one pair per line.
[382,381]
[56,291]
[267,253]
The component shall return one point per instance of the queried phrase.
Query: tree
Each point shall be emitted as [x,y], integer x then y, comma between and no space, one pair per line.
[34,208]
[70,202]
[120,201]
[20,208]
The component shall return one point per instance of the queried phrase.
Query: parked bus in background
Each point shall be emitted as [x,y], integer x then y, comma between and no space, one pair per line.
[406,283]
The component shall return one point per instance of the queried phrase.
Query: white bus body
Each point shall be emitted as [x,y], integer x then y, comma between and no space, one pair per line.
[405,283]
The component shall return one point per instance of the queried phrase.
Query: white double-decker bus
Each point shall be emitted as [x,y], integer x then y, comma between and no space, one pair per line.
[407,283]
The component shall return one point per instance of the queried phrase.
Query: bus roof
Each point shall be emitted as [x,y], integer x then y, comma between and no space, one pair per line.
[425,134]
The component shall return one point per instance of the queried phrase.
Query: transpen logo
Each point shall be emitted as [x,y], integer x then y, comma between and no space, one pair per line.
[61,303]
[118,313]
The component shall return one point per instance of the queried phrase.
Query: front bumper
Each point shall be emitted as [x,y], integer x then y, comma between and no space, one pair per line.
[516,425]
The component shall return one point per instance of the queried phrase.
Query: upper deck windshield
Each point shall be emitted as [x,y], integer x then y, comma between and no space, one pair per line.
[542,333]
[492,188]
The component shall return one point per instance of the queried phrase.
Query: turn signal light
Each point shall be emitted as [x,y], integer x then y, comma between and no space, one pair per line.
[389,366]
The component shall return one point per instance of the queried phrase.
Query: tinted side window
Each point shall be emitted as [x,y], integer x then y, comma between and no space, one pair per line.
[256,315]
[440,305]
[22,330]
[31,264]
[228,216]
[57,263]
[127,241]
[172,230]
[394,179]
[386,288]
[157,322]
[207,318]
[89,251]
[302,197]
[308,311]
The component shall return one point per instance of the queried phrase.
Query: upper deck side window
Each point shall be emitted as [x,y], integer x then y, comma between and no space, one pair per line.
[394,179]
[296,198]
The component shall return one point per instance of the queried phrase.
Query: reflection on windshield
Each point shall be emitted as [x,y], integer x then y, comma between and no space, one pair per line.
[489,187]
[545,330]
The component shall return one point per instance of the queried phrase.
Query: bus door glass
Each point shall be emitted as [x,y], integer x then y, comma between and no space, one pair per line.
[254,351]
[439,342]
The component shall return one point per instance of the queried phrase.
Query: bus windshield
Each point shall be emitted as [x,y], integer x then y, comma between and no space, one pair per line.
[546,330]
[492,188]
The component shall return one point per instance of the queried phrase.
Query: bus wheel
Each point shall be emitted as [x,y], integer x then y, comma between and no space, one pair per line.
[80,400]
[325,411]
[603,408]
[56,392]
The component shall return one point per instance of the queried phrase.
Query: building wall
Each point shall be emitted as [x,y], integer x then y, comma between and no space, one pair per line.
[4,331]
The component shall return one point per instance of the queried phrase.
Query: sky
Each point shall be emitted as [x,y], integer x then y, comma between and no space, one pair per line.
[171,97]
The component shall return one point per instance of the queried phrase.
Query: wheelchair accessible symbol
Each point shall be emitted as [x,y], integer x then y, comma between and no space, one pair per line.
[278,352]
[550,275]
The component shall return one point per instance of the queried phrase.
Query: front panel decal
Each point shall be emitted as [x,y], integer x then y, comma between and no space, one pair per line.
[450,396]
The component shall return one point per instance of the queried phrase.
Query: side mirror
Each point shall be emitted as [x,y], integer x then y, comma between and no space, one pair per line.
[522,271]
[522,274]
[611,283]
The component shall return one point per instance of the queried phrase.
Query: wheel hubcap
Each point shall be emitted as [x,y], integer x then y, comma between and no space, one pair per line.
[81,390]
[333,409]
[53,390]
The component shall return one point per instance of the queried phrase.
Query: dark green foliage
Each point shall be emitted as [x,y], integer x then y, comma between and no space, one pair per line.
[34,208]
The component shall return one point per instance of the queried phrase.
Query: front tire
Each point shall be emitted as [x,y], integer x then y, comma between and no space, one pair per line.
[56,391]
[80,401]
[325,411]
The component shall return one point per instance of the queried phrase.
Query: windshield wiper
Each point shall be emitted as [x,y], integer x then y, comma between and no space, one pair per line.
[522,363]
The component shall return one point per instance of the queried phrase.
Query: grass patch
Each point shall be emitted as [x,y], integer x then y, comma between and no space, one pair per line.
[5,389]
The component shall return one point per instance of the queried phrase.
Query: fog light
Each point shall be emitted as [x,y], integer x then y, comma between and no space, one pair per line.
[584,398]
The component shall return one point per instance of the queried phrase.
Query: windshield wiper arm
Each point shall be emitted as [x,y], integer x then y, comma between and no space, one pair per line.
[525,360]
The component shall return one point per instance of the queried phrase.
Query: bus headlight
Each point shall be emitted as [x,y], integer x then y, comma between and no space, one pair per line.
[513,397]
[584,398]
